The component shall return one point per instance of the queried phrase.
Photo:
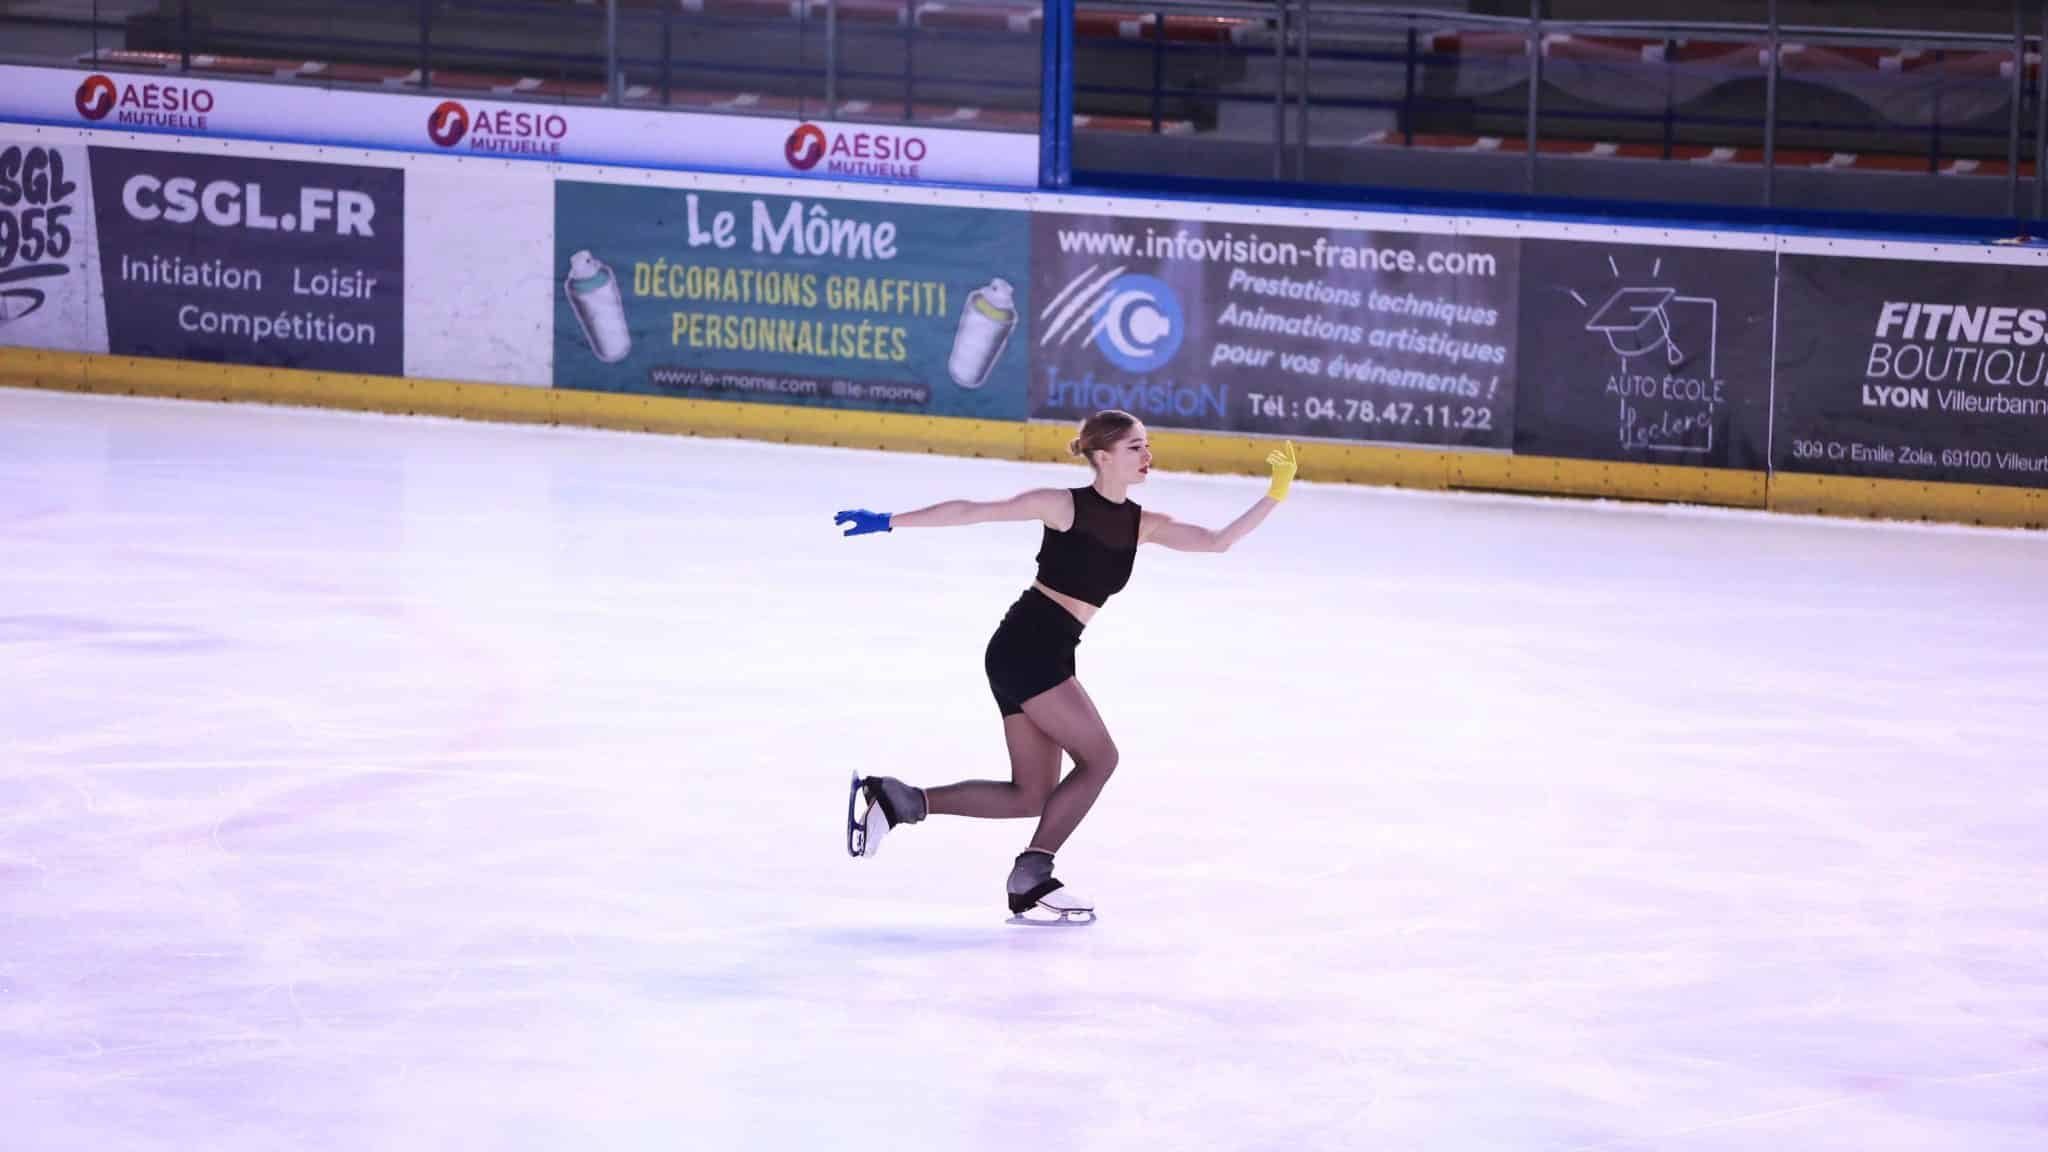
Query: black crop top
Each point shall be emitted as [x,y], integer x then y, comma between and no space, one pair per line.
[1092,560]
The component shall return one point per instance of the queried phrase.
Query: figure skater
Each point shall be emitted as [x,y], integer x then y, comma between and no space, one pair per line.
[1090,541]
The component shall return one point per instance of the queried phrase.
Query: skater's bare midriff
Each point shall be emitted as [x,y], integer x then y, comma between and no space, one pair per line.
[1078,609]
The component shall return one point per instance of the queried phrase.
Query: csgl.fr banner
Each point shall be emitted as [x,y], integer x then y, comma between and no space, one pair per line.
[222,259]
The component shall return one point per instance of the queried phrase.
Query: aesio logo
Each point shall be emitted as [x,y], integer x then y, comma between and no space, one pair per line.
[805,147]
[498,131]
[144,104]
[96,97]
[448,123]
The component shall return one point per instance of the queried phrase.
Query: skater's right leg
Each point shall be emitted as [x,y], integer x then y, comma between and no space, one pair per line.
[1034,769]
[1068,716]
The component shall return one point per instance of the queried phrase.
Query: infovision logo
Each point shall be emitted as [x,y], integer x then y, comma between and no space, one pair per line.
[1134,320]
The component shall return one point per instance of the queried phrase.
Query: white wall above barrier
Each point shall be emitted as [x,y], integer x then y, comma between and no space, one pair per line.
[573,133]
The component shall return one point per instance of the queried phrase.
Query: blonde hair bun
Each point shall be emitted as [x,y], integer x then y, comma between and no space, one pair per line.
[1100,432]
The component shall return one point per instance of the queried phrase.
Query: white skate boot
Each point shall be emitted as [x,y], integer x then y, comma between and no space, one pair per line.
[889,802]
[1037,898]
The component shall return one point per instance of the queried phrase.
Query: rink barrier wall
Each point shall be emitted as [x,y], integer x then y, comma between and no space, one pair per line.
[505,403]
[1878,499]
[472,323]
[1328,462]
[109,375]
[1193,452]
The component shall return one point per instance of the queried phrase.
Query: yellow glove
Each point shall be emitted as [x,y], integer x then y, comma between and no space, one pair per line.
[1284,464]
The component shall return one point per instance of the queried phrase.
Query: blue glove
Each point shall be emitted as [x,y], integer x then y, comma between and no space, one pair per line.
[863,521]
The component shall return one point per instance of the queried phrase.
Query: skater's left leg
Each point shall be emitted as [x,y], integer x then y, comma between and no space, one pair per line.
[1034,769]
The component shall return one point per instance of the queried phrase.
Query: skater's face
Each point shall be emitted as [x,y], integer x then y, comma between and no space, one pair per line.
[1129,459]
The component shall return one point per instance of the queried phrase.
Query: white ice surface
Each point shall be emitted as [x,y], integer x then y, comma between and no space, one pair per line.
[385,784]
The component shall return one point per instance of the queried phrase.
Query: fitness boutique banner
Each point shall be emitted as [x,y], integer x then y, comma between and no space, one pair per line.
[787,300]
[513,130]
[238,260]
[49,270]
[1275,330]
[1913,370]
[1655,355]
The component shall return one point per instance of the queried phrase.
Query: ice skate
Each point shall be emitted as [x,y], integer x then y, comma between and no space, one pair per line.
[889,802]
[1037,898]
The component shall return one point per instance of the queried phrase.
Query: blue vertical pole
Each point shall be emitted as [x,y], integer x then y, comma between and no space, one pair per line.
[1048,95]
[1066,8]
[2041,124]
[614,80]
[426,44]
[1056,95]
[2019,101]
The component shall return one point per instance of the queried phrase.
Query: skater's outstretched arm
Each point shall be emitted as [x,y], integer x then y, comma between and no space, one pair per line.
[1164,530]
[1053,506]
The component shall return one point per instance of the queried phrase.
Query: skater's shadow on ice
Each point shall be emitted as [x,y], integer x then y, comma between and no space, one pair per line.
[96,632]
[930,938]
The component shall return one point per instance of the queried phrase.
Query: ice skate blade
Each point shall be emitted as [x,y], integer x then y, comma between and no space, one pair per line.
[865,826]
[1047,919]
[856,830]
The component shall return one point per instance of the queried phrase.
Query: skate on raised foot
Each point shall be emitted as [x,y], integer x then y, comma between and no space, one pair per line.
[1037,898]
[889,802]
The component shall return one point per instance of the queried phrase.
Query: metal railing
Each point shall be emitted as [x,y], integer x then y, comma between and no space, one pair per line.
[1540,95]
[1289,92]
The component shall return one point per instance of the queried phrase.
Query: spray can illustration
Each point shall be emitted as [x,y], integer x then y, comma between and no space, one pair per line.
[593,291]
[985,324]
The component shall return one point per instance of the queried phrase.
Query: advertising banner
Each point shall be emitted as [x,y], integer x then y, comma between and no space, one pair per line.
[1275,330]
[1913,370]
[238,260]
[515,130]
[1655,355]
[839,303]
[49,271]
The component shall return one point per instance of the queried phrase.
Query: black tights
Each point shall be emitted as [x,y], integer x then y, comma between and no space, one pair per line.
[1060,719]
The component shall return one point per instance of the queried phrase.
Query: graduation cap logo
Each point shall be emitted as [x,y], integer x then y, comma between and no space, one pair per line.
[1636,324]
[1657,332]
[1638,321]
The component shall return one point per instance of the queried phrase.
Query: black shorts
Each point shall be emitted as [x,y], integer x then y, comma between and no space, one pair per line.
[1032,650]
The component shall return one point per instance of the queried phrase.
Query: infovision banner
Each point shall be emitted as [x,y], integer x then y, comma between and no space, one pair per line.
[1275,329]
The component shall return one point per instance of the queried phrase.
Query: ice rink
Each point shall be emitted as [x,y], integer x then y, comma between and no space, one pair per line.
[387,784]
